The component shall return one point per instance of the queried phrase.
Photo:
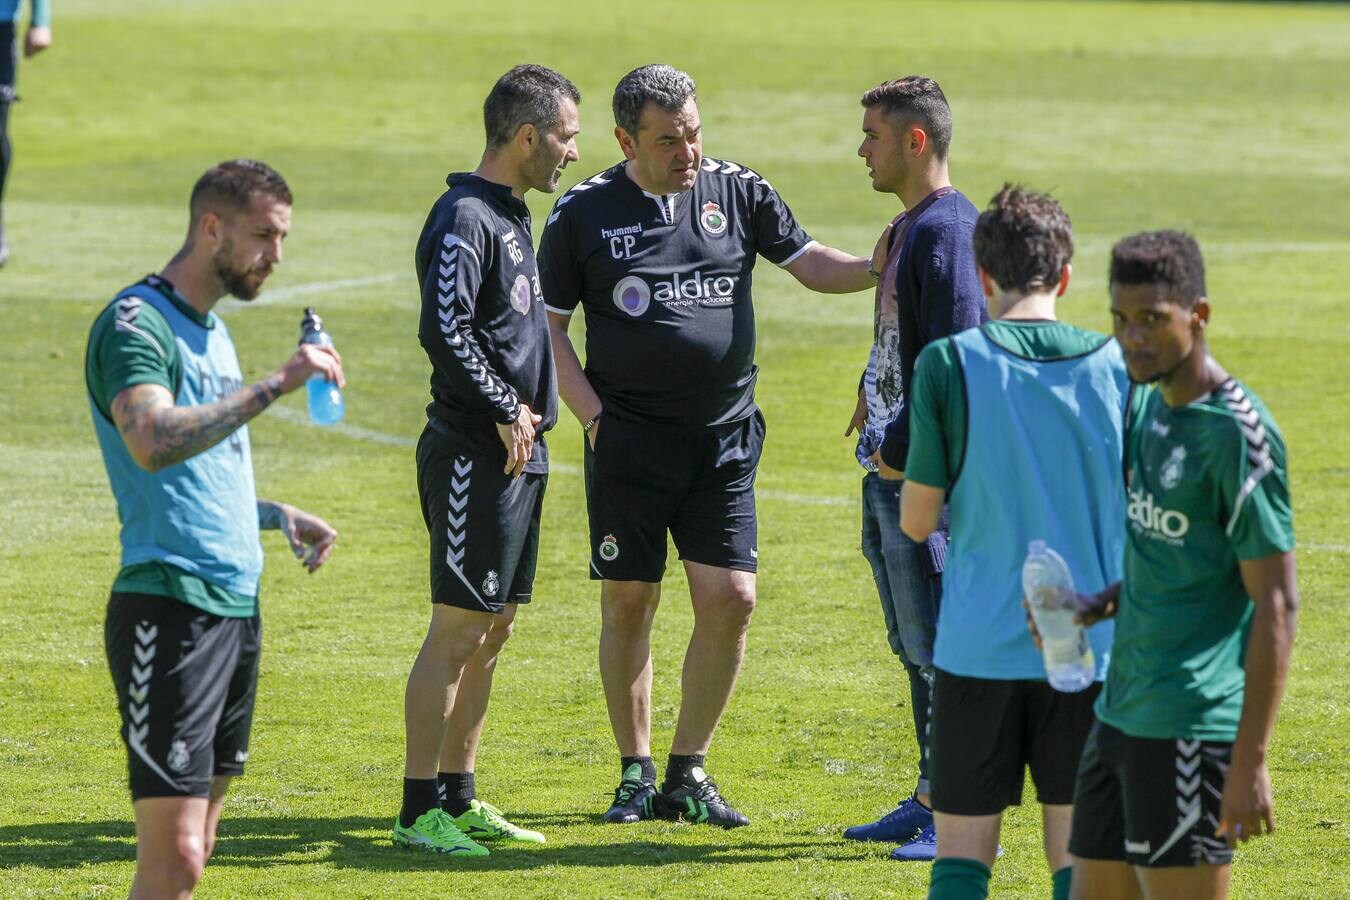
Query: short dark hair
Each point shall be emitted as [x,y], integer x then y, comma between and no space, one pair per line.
[526,95]
[230,186]
[1168,258]
[919,99]
[1023,240]
[666,86]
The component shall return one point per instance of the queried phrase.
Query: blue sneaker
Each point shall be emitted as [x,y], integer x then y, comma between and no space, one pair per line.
[922,847]
[900,824]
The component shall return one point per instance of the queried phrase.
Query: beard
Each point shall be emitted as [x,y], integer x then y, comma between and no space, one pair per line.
[541,169]
[243,284]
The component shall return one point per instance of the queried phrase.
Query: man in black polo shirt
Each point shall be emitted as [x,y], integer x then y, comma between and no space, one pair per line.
[481,462]
[659,250]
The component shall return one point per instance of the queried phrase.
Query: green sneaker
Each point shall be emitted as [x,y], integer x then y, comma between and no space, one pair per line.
[485,822]
[435,832]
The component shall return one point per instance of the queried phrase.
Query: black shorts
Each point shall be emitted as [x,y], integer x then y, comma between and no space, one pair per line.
[484,526]
[985,733]
[697,482]
[186,681]
[9,60]
[1148,801]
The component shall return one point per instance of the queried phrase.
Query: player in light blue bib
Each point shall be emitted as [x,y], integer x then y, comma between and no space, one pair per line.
[170,409]
[1018,426]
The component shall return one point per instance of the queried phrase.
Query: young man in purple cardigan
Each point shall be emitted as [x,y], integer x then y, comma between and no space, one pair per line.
[927,288]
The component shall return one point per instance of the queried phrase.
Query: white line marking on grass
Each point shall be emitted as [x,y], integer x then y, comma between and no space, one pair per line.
[356,432]
[806,499]
[280,295]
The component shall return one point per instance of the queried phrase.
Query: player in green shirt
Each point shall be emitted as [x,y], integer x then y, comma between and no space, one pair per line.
[170,410]
[1174,771]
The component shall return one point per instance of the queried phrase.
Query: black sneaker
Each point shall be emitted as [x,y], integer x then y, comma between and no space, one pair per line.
[633,798]
[700,801]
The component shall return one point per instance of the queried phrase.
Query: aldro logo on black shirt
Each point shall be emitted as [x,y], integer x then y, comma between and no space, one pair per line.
[633,294]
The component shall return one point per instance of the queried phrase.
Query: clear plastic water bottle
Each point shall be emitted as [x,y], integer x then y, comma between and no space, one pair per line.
[326,406]
[1048,586]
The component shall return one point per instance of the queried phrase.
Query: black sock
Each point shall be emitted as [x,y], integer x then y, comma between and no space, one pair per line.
[419,795]
[648,767]
[677,768]
[456,790]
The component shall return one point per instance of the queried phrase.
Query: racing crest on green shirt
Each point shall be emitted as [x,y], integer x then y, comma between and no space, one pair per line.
[1172,468]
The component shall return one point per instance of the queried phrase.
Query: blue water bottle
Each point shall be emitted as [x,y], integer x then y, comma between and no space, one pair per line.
[326,406]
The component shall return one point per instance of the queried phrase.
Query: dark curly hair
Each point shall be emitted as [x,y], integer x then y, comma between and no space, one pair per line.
[1023,240]
[1168,258]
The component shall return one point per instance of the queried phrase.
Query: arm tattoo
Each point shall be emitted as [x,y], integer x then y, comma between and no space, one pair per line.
[181,432]
[270,515]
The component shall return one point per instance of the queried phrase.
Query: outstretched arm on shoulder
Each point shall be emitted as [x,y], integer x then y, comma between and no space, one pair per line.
[831,271]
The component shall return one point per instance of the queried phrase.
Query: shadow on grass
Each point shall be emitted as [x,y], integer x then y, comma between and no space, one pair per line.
[363,843]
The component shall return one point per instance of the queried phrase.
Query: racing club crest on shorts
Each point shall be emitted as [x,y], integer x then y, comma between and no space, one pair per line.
[178,756]
[490,583]
[713,220]
[609,548]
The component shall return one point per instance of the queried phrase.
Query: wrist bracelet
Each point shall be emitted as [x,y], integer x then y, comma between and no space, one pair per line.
[876,276]
[586,429]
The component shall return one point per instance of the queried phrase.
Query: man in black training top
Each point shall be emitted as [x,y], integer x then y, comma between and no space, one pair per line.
[481,461]
[659,250]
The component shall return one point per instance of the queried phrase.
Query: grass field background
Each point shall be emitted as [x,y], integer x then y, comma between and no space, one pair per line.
[1228,120]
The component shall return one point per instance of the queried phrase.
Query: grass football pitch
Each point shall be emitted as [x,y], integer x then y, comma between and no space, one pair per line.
[1227,120]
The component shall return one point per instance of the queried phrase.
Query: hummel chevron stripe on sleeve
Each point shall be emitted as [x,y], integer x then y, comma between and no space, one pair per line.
[574,192]
[449,295]
[128,309]
[1259,461]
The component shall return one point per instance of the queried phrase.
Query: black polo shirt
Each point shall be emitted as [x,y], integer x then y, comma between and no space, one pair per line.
[665,282]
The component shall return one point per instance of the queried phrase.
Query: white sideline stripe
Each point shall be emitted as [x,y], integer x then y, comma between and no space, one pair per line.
[356,432]
[807,499]
[268,298]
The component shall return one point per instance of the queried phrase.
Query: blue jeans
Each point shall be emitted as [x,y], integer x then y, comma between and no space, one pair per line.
[910,593]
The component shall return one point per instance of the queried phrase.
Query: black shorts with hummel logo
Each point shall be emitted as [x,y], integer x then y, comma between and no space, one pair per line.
[695,481]
[484,524]
[186,681]
[1149,801]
